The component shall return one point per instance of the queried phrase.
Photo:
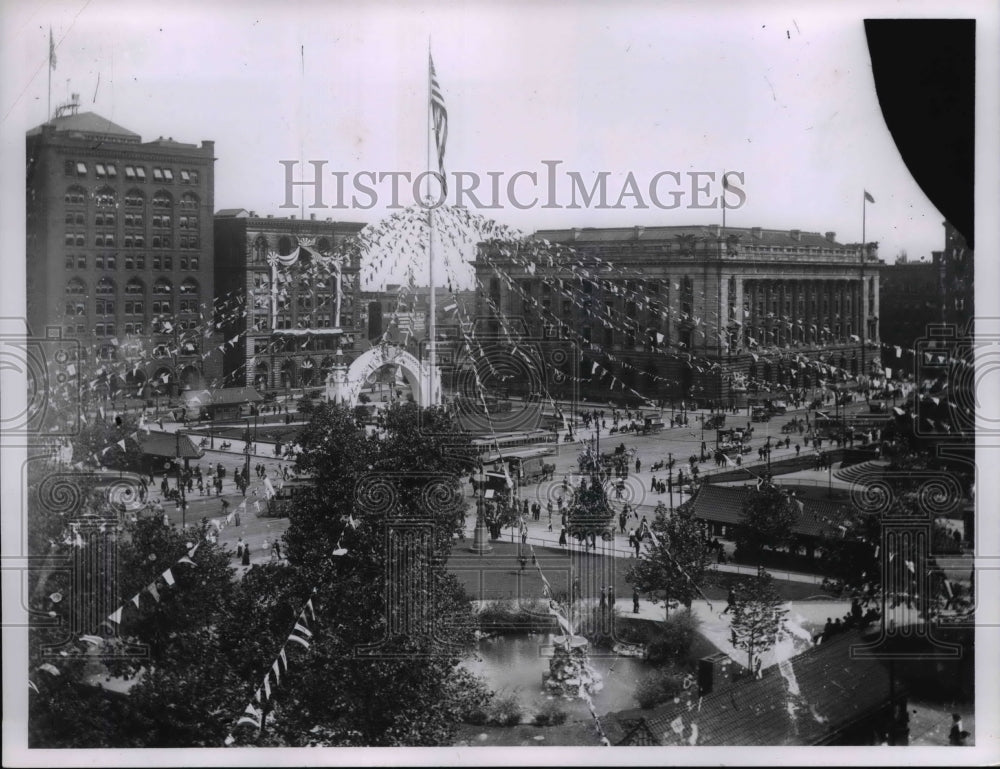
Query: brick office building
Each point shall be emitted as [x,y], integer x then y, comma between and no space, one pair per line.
[119,249]
[693,312]
[291,330]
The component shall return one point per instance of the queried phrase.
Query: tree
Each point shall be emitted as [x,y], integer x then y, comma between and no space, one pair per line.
[769,516]
[675,561]
[758,617]
[589,513]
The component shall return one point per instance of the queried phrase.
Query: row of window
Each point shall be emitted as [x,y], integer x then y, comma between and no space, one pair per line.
[105,307]
[105,285]
[138,262]
[134,172]
[106,197]
[132,240]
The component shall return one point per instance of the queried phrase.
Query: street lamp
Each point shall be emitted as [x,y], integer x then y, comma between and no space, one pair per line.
[180,484]
[480,538]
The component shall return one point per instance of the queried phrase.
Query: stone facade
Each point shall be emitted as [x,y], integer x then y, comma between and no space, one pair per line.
[119,248]
[692,312]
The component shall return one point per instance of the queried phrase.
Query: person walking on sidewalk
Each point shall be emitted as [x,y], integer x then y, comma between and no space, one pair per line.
[635,600]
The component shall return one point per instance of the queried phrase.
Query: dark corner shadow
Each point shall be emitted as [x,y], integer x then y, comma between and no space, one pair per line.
[925,77]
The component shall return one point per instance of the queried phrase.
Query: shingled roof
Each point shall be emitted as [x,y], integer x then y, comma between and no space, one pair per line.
[724,505]
[808,700]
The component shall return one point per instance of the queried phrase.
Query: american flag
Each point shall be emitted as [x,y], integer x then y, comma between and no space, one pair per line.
[439,116]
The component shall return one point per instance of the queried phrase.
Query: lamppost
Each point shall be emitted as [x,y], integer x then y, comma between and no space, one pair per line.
[246,450]
[180,484]
[480,538]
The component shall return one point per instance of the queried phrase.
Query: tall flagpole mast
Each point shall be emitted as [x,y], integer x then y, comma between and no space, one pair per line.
[48,114]
[861,299]
[431,326]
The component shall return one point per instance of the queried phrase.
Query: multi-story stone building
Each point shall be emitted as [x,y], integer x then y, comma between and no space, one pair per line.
[910,300]
[693,312]
[292,319]
[119,249]
[956,275]
[404,315]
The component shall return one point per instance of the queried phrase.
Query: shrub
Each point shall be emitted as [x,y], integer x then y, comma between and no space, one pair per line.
[659,687]
[506,711]
[674,638]
[472,696]
[550,714]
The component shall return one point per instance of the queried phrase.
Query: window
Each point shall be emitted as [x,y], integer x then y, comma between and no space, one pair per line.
[99,262]
[69,262]
[105,286]
[69,168]
[162,286]
[168,263]
[133,328]
[81,262]
[135,286]
[130,172]
[194,177]
[189,201]
[105,198]
[260,250]
[140,173]
[99,169]
[111,262]
[75,196]
[162,307]
[112,171]
[162,200]
[76,287]
[134,199]
[185,176]
[188,305]
[157,175]
[184,263]
[168,174]
[81,169]
[105,306]
[189,286]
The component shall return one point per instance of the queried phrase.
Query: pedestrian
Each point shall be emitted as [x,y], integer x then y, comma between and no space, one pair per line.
[239,548]
[730,601]
[562,537]
[638,464]
[635,600]
[236,516]
[277,548]
[266,546]
[957,735]
[604,598]
[246,555]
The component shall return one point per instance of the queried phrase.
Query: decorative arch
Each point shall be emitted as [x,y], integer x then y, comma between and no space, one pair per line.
[345,384]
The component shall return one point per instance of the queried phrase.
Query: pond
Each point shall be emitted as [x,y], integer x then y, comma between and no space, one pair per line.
[514,664]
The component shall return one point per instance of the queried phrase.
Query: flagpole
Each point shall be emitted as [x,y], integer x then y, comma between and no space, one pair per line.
[861,298]
[724,187]
[48,113]
[431,326]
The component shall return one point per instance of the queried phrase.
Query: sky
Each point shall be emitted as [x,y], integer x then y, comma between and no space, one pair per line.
[782,94]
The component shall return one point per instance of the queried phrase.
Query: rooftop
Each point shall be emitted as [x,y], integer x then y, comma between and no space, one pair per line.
[752,236]
[163,444]
[808,700]
[89,124]
[724,504]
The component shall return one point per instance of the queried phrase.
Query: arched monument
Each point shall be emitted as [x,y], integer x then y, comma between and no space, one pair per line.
[345,383]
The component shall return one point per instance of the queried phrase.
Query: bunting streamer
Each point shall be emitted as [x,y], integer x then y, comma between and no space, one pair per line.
[300,634]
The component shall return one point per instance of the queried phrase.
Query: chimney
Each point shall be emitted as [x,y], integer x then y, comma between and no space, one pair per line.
[270,216]
[831,236]
[756,232]
[292,217]
[253,213]
[795,234]
[312,217]
[638,232]
[576,233]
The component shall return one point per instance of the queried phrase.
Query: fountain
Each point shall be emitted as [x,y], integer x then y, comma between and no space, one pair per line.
[570,673]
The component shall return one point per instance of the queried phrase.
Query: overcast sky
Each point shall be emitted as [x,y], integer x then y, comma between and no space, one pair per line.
[781,93]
